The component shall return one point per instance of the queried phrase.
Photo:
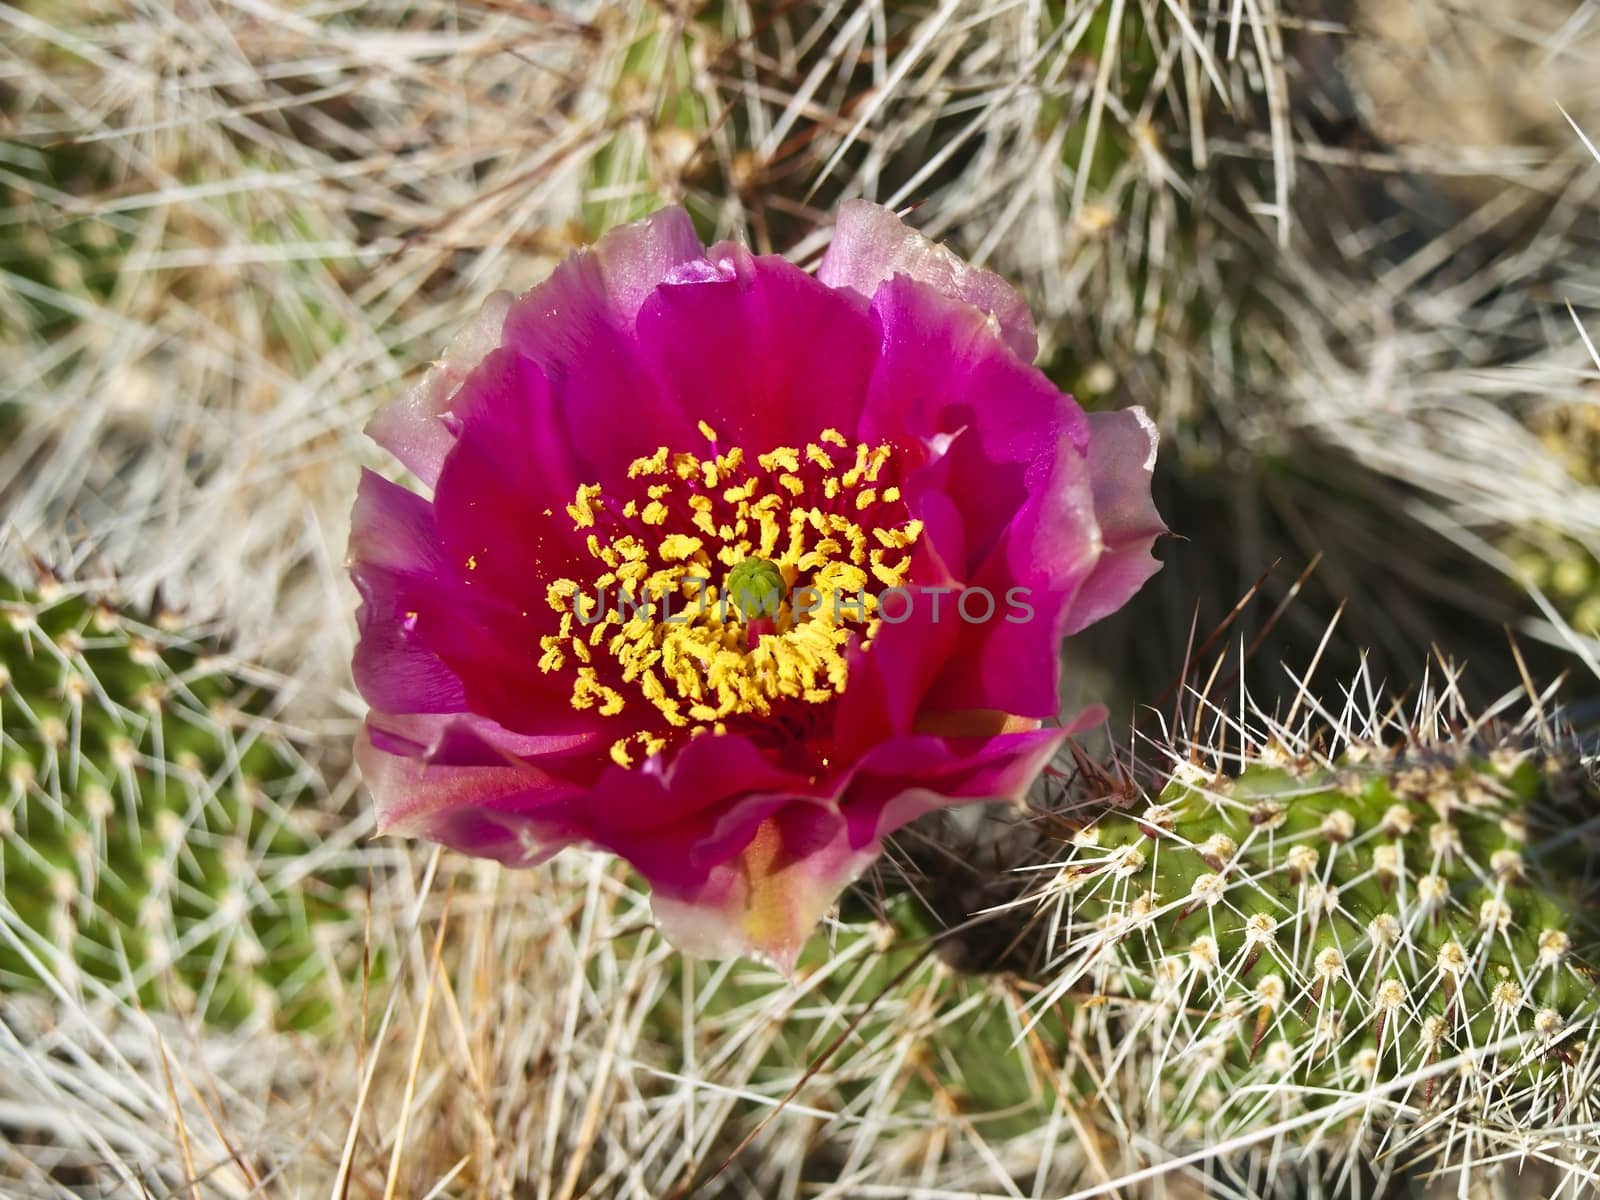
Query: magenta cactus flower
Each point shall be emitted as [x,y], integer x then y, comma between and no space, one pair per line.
[732,570]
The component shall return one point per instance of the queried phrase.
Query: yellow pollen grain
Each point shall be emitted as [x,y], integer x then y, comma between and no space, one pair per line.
[655,464]
[834,438]
[854,474]
[581,510]
[784,456]
[816,454]
[899,539]
[707,432]
[866,498]
[677,547]
[553,659]
[890,575]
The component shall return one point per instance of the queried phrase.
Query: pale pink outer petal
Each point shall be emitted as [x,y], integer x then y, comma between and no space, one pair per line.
[410,428]
[871,246]
[598,291]
[489,806]
[768,899]
[1122,459]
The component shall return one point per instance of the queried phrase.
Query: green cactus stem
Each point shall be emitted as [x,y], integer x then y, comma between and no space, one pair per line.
[160,837]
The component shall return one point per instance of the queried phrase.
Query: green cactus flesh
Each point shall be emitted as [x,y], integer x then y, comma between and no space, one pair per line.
[157,830]
[1408,931]
[923,1040]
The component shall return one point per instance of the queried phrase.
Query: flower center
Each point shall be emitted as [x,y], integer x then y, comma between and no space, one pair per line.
[729,588]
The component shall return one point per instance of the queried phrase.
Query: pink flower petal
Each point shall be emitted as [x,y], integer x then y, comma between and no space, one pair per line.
[1013,470]
[871,246]
[1122,458]
[767,901]
[759,350]
[395,562]
[502,495]
[942,373]
[1011,660]
[909,777]
[488,808]
[889,682]
[803,851]
[592,298]
[410,428]
[579,327]
[708,772]
[588,303]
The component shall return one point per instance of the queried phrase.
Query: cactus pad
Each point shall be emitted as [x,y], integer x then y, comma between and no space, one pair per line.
[1415,931]
[160,837]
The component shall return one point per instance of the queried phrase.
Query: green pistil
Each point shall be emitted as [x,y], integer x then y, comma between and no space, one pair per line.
[756,586]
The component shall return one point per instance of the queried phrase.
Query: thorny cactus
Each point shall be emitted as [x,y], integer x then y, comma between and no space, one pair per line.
[1383,948]
[1339,973]
[161,842]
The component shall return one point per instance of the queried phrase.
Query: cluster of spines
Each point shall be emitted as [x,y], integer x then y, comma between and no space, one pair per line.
[1378,935]
[159,837]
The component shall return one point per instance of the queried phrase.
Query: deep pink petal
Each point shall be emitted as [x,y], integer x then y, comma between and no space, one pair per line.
[1009,460]
[579,327]
[505,535]
[908,777]
[705,773]
[468,740]
[943,377]
[1122,458]
[769,899]
[503,493]
[871,246]
[888,682]
[1010,661]
[597,291]
[759,350]
[396,562]
[394,670]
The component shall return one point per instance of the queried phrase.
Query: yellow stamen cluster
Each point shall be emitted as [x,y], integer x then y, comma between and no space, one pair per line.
[825,514]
